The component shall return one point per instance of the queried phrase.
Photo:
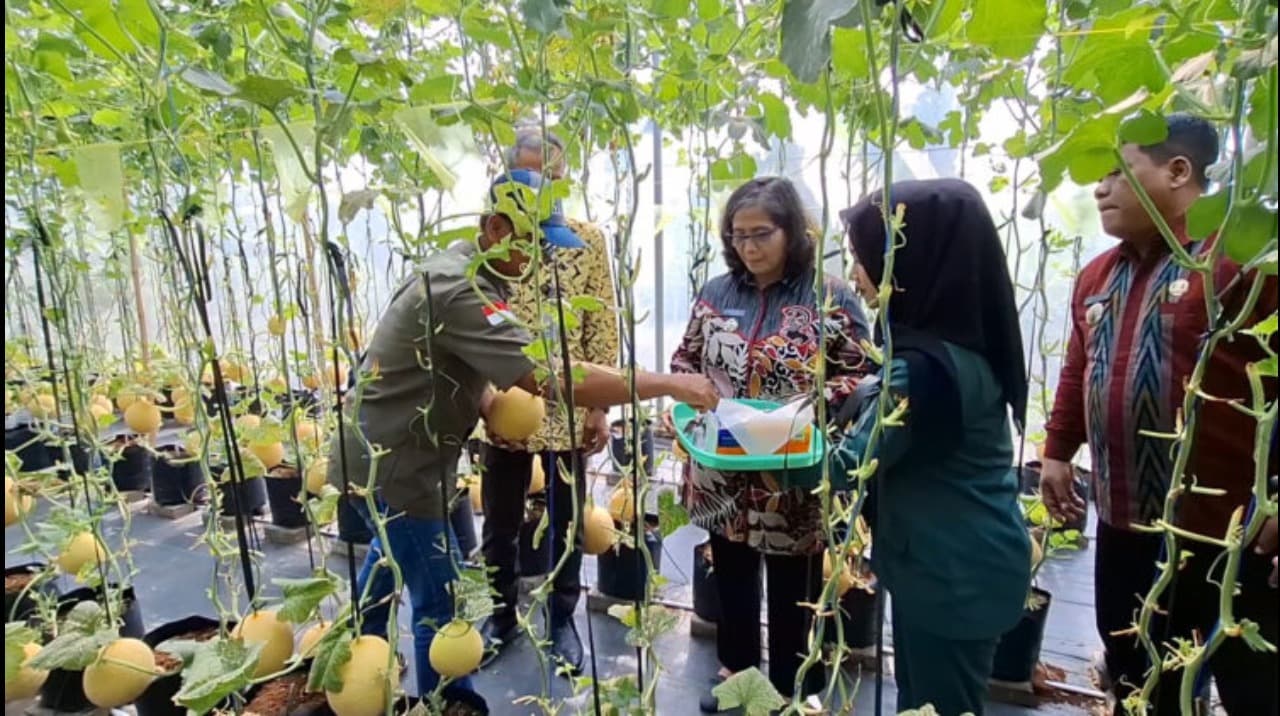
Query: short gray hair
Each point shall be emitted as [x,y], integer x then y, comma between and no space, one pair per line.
[530,139]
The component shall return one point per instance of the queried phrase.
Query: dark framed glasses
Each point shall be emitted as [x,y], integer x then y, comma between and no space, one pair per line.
[756,238]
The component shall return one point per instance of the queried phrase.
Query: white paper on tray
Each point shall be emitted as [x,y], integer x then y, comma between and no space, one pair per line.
[762,432]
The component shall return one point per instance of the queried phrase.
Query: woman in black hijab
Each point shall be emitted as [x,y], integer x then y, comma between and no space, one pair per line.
[949,543]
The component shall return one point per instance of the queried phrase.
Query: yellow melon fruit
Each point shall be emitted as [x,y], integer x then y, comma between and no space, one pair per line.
[622,504]
[83,548]
[42,406]
[456,649]
[143,417]
[516,415]
[270,453]
[16,503]
[365,679]
[598,534]
[123,670]
[317,476]
[276,637]
[126,397]
[276,325]
[27,682]
[308,434]
[311,638]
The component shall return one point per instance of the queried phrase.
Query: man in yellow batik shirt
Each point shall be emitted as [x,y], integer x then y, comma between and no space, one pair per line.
[507,469]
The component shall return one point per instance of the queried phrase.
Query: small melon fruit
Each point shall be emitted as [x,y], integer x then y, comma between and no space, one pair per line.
[598,534]
[80,550]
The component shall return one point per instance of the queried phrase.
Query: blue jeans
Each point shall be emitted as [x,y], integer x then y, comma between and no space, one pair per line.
[427,569]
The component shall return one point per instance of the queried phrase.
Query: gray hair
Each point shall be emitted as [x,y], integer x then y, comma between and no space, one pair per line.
[530,139]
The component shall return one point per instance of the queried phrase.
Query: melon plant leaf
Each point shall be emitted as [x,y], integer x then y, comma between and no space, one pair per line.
[208,81]
[331,653]
[1144,129]
[73,650]
[1206,214]
[749,690]
[1248,230]
[303,596]
[543,16]
[219,668]
[1010,28]
[1263,329]
[266,92]
[354,201]
[671,514]
[806,34]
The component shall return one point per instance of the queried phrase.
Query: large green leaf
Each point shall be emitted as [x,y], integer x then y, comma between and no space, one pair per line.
[1249,229]
[806,34]
[1206,214]
[290,168]
[266,92]
[750,691]
[102,181]
[84,631]
[221,667]
[542,16]
[333,650]
[303,596]
[1010,28]
[849,54]
[209,81]
[1144,128]
[777,118]
[671,514]
[428,138]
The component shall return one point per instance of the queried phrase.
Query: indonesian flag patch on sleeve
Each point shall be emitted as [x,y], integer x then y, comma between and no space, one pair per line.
[498,313]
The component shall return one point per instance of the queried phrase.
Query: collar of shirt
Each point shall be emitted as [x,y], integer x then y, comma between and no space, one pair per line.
[1161,247]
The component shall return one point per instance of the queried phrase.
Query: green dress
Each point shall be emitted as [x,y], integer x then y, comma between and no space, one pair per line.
[949,542]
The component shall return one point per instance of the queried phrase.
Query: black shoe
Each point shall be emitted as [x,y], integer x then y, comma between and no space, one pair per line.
[497,633]
[566,646]
[709,704]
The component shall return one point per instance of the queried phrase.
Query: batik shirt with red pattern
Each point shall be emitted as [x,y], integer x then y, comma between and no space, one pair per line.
[1138,328]
[764,344]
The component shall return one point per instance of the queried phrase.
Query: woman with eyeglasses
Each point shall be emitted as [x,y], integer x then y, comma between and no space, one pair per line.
[755,332]
[948,544]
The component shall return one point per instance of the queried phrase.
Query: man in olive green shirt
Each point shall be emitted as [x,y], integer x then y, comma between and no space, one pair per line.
[507,469]
[446,338]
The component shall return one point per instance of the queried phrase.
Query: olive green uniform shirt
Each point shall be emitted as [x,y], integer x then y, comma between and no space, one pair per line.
[419,413]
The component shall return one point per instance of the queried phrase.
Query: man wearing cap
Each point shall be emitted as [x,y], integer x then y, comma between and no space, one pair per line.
[507,468]
[440,348]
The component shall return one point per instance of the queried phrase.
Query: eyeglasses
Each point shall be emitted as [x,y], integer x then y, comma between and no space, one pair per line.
[756,238]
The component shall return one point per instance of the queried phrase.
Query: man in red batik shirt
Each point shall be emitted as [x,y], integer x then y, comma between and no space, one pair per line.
[1138,326]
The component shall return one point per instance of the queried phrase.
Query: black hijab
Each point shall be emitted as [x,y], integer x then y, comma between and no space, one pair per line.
[951,283]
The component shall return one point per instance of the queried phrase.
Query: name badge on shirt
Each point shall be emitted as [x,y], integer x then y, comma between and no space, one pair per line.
[498,313]
[1095,308]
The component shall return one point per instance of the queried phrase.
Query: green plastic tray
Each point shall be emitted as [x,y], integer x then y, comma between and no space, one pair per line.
[682,415]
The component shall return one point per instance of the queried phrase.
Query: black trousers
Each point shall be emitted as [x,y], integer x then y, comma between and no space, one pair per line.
[1124,572]
[504,487]
[792,579]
